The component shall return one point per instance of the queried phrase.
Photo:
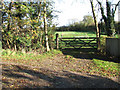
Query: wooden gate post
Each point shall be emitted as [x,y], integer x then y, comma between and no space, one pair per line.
[57,41]
[98,43]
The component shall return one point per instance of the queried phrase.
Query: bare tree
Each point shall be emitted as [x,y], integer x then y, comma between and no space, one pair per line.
[45,28]
[109,18]
[96,24]
[95,20]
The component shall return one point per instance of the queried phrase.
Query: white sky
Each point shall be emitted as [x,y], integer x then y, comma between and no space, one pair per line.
[74,10]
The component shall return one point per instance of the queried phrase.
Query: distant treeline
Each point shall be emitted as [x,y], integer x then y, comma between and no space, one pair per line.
[80,27]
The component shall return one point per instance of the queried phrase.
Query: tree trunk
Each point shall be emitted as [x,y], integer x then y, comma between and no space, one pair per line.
[9,16]
[1,21]
[9,22]
[45,28]
[95,20]
[39,11]
[96,24]
[109,19]
[103,16]
[39,18]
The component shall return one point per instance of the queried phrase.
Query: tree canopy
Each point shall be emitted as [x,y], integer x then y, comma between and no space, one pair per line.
[22,24]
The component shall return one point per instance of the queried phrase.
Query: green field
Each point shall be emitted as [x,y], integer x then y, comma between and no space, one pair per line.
[80,34]
[76,34]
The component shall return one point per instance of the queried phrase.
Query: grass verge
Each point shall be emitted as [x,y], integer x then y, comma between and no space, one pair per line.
[26,58]
[107,68]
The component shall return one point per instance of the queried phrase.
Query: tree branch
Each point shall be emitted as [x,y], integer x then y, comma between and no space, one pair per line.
[116,7]
[102,10]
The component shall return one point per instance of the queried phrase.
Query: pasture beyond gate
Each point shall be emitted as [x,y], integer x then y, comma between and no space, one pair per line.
[77,42]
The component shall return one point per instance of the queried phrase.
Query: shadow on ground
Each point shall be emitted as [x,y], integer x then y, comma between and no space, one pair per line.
[88,53]
[27,77]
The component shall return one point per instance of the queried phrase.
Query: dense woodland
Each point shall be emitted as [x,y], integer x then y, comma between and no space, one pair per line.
[23,24]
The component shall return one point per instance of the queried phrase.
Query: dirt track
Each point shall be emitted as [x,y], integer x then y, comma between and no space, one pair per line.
[54,72]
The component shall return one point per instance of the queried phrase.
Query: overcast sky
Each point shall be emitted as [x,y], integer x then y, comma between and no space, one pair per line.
[74,10]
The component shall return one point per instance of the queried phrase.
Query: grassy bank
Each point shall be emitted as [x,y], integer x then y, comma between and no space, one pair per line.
[106,68]
[30,58]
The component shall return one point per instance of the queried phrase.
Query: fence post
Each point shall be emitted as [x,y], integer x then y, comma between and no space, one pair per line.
[57,41]
[98,43]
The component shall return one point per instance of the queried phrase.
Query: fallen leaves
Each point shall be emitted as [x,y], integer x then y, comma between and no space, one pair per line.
[55,63]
